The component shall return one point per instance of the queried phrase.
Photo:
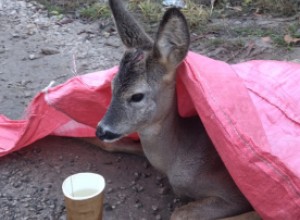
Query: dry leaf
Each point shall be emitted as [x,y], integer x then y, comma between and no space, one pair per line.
[266,39]
[291,40]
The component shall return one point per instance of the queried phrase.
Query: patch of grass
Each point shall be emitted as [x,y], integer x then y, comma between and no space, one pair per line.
[273,7]
[66,6]
[292,30]
[278,40]
[279,7]
[277,36]
[95,11]
[195,14]
[151,11]
[52,8]
[216,42]
[253,31]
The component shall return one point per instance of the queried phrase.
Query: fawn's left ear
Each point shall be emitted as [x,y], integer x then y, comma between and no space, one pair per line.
[173,38]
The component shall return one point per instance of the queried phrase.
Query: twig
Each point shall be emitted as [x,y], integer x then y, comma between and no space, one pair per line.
[74,69]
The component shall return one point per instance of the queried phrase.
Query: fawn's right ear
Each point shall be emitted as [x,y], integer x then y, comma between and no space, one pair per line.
[173,38]
[131,34]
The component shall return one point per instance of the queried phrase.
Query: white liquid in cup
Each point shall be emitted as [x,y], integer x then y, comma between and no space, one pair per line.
[83,186]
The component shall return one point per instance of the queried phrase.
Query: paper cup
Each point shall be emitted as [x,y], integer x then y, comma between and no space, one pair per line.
[84,196]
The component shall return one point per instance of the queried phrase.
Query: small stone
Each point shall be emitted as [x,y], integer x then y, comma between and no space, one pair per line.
[158,217]
[140,189]
[15,35]
[16,184]
[154,209]
[132,183]
[27,94]
[170,207]
[176,201]
[163,190]
[120,157]
[106,34]
[32,57]
[146,175]
[120,202]
[2,49]
[107,207]
[31,29]
[49,51]
[110,190]
[137,176]
[138,205]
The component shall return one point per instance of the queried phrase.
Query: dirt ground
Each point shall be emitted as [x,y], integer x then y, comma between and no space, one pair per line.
[36,48]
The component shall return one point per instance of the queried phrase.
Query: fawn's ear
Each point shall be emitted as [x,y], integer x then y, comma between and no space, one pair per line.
[173,38]
[131,34]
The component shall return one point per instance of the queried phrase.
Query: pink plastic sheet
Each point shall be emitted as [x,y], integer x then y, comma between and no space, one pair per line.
[251,111]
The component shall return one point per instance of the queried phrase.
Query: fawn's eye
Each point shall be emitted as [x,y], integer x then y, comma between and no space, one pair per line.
[137,97]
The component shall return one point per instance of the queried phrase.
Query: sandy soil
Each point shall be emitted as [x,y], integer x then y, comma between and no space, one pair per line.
[35,49]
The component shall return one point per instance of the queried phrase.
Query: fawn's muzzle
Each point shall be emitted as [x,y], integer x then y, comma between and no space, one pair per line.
[106,135]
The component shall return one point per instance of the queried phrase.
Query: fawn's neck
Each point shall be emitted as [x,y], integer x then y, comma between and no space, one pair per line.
[160,140]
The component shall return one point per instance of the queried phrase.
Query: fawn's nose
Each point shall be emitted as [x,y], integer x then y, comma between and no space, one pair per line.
[106,135]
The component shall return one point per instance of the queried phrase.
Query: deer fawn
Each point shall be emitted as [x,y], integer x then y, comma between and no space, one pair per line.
[144,101]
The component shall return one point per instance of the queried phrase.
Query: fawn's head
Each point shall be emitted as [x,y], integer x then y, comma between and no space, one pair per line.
[144,88]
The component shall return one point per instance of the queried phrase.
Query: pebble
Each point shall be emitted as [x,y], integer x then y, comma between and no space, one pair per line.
[109,190]
[107,207]
[17,184]
[2,49]
[49,51]
[164,190]
[32,57]
[31,29]
[158,217]
[132,183]
[15,35]
[138,205]
[146,175]
[154,209]
[27,94]
[137,176]
[138,188]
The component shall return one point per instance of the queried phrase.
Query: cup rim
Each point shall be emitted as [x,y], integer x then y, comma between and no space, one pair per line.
[100,190]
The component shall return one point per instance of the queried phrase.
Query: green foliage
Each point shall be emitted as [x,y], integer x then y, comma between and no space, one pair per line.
[151,11]
[95,11]
[247,2]
[195,14]
[278,7]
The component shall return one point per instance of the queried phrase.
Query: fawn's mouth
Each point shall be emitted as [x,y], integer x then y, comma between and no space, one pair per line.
[106,135]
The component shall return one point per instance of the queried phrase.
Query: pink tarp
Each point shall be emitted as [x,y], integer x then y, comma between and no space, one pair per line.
[251,111]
